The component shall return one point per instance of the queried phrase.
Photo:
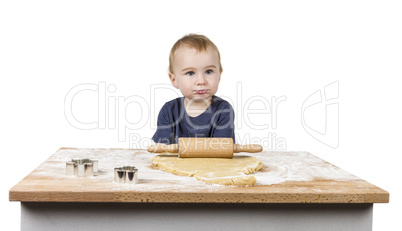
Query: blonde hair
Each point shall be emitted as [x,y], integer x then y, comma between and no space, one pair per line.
[196,41]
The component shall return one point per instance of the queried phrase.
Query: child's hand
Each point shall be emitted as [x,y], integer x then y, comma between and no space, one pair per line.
[160,147]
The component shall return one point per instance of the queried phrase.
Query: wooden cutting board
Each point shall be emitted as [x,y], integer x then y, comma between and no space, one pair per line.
[287,177]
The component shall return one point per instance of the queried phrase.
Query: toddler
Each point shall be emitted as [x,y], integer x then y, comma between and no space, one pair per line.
[195,69]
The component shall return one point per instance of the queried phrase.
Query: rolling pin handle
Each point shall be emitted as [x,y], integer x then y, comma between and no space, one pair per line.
[159,147]
[252,148]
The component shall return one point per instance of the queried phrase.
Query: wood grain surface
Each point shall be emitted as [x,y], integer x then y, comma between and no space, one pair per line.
[49,183]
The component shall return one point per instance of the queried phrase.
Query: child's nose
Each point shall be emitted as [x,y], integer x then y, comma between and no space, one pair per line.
[200,79]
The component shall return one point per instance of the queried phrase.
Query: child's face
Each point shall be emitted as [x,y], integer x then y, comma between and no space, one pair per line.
[196,74]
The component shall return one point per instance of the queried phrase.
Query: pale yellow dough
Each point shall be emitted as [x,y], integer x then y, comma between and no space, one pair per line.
[212,170]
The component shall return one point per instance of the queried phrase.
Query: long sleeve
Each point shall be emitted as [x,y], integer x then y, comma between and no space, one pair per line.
[224,123]
[164,133]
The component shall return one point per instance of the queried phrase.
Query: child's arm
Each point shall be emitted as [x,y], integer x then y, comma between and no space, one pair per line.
[164,133]
[224,123]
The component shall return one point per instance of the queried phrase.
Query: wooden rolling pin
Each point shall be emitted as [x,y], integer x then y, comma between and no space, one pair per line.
[204,147]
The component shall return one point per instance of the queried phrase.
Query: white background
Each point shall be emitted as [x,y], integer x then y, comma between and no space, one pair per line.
[287,48]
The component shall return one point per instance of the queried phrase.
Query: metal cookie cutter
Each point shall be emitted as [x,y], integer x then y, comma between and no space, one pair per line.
[81,167]
[126,174]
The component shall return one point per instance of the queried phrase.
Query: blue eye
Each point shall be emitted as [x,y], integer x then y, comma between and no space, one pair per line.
[190,73]
[209,72]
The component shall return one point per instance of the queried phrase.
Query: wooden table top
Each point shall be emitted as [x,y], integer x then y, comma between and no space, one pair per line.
[287,177]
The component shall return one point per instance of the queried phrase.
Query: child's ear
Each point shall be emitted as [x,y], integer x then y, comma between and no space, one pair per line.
[173,80]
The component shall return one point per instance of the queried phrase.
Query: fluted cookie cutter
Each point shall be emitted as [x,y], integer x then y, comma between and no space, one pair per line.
[126,174]
[81,167]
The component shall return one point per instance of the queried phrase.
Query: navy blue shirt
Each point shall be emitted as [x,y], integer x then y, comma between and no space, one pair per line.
[173,122]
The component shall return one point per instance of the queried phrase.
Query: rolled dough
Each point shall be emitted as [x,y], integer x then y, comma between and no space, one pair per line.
[212,170]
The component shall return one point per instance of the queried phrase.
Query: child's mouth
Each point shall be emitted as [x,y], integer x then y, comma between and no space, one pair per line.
[200,92]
